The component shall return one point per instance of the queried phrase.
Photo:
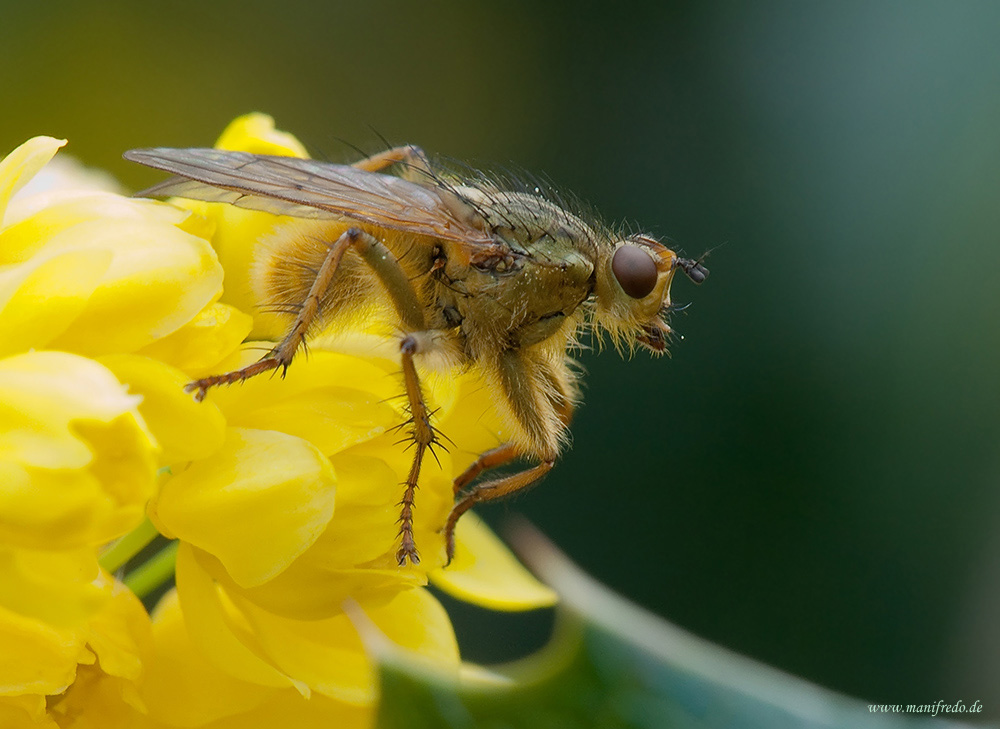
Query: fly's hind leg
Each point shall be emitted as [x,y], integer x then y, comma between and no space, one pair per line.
[281,355]
[416,167]
[376,255]
[414,159]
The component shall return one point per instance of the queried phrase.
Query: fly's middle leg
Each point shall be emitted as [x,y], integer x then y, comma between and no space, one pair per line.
[423,438]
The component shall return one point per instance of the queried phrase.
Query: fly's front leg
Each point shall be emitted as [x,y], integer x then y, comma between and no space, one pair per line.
[493,458]
[490,491]
[376,255]
[507,452]
[538,394]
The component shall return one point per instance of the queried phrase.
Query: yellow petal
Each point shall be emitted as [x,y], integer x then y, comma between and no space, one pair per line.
[416,621]
[78,461]
[160,277]
[214,698]
[289,709]
[63,174]
[53,212]
[218,629]
[434,499]
[472,421]
[29,517]
[364,525]
[257,503]
[181,687]
[331,418]
[330,399]
[354,557]
[325,654]
[26,711]
[329,655]
[97,700]
[201,344]
[57,587]
[64,509]
[17,168]
[364,531]
[186,430]
[41,298]
[38,658]
[308,591]
[255,133]
[70,261]
[120,633]
[43,393]
[236,235]
[484,572]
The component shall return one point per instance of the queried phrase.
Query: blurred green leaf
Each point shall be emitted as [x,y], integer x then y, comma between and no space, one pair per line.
[612,664]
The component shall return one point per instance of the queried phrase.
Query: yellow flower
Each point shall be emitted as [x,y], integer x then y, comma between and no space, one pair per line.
[77,460]
[87,277]
[282,493]
[114,274]
[185,687]
[57,654]
[269,611]
[104,692]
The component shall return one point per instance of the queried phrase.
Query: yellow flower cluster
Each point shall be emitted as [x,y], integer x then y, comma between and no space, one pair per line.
[282,494]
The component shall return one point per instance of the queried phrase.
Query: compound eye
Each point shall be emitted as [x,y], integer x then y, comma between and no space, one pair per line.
[635,270]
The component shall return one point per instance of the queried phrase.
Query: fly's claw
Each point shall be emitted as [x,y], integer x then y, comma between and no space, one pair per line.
[408,548]
[408,551]
[199,388]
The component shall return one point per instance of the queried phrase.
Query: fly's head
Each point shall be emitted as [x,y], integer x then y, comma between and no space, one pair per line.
[633,291]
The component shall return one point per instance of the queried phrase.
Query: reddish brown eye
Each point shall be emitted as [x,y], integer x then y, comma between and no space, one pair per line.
[635,271]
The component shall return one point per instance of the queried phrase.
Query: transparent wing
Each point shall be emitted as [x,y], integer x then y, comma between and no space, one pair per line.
[304,188]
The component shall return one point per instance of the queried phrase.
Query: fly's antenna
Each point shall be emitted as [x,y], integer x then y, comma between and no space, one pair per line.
[694,268]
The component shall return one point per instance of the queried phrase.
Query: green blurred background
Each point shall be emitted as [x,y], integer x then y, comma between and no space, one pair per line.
[812,479]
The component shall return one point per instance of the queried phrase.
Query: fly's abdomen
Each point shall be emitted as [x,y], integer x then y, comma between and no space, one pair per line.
[285,266]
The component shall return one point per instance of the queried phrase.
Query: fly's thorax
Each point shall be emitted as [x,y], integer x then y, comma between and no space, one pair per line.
[527,222]
[632,290]
[517,297]
[542,272]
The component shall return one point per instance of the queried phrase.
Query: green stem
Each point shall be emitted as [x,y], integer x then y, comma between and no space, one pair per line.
[153,573]
[128,546]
